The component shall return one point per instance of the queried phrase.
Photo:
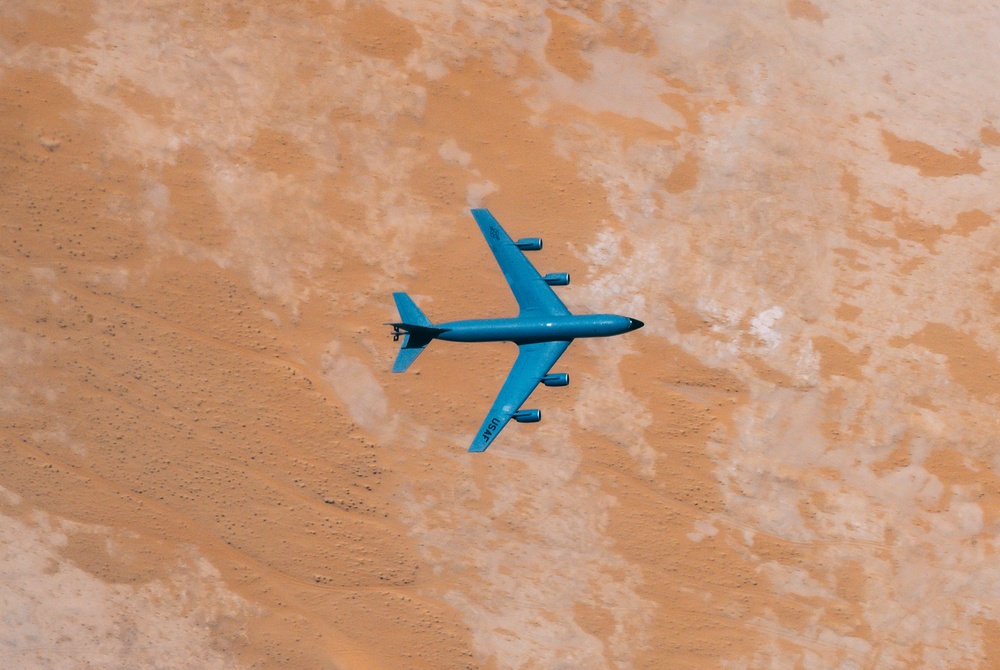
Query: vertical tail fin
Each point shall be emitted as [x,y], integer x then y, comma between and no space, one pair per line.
[419,331]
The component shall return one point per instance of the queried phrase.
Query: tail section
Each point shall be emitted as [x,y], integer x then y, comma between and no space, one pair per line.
[416,329]
[407,354]
[409,313]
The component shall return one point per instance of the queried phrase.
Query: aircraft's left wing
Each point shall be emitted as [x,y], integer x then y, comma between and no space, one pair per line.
[533,362]
[533,295]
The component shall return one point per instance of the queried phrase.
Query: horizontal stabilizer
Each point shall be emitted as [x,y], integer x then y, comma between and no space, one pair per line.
[414,341]
[408,353]
[409,313]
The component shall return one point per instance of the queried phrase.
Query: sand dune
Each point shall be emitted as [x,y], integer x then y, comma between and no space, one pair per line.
[206,462]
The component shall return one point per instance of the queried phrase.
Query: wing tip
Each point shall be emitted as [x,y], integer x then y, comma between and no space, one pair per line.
[484,218]
[481,443]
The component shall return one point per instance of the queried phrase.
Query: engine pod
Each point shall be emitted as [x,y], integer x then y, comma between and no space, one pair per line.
[527,416]
[557,279]
[556,379]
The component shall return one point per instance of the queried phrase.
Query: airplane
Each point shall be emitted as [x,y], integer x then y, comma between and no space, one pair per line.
[543,329]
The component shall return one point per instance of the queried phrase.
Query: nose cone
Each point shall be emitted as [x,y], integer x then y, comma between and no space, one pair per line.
[634,324]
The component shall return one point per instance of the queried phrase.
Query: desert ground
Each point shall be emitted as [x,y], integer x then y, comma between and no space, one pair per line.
[206,463]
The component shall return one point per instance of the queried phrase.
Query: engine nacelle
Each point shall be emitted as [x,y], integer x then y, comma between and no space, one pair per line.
[557,279]
[556,379]
[529,244]
[527,416]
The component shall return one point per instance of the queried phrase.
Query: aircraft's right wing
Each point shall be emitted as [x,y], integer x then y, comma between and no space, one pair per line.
[533,362]
[531,292]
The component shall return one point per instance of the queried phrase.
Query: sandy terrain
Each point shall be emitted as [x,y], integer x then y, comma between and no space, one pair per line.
[204,209]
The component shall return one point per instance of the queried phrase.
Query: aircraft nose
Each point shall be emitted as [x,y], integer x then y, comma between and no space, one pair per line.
[634,324]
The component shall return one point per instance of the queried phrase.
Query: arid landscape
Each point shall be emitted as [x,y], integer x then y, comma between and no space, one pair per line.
[206,463]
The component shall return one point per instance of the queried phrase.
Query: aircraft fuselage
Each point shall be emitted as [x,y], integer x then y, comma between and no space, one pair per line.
[527,329]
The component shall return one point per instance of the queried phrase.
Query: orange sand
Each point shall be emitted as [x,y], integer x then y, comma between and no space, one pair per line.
[206,463]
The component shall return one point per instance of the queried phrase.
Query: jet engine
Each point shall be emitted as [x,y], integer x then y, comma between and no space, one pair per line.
[556,379]
[529,244]
[557,279]
[527,416]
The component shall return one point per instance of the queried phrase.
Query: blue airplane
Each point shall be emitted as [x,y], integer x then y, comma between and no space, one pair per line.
[542,330]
